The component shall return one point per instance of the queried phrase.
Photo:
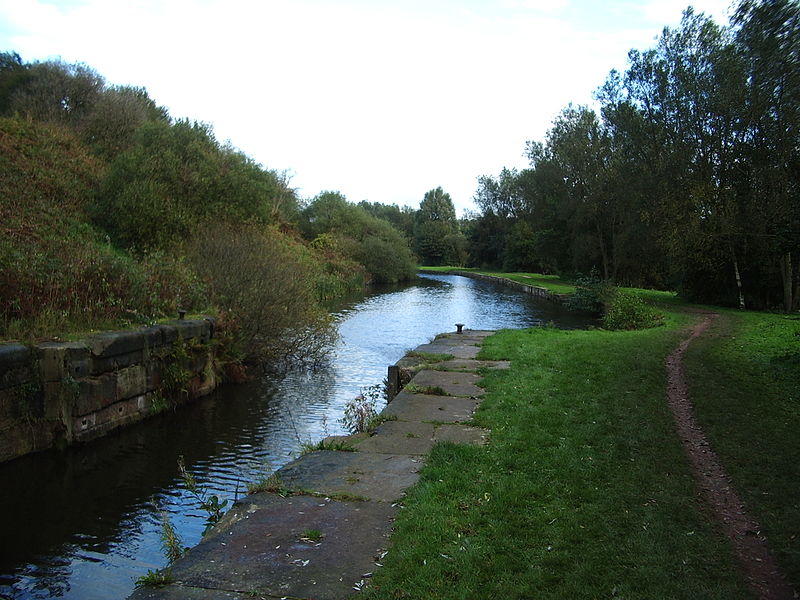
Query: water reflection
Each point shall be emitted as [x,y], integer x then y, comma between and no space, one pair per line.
[85,523]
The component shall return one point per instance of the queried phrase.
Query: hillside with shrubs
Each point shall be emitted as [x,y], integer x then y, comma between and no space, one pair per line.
[115,214]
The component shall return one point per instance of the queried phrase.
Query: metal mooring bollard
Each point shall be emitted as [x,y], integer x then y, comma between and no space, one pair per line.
[181,314]
[459,327]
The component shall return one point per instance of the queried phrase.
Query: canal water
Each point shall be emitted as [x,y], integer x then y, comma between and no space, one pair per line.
[85,523]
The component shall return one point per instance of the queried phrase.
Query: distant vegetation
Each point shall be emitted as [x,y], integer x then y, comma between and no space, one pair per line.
[114,213]
[687,178]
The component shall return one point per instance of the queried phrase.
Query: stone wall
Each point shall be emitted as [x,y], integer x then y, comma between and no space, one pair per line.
[59,393]
[534,290]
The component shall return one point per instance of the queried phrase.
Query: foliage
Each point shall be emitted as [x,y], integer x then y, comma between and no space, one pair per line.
[437,239]
[686,177]
[175,176]
[208,502]
[263,281]
[333,445]
[591,294]
[58,272]
[360,412]
[170,541]
[353,233]
[627,310]
[155,578]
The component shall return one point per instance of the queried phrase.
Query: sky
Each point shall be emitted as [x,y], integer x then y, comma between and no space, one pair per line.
[379,100]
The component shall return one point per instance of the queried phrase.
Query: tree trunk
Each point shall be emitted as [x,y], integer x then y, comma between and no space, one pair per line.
[788,281]
[738,278]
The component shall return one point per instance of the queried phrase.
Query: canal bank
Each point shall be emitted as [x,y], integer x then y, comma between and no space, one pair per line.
[527,288]
[87,519]
[322,527]
[54,394]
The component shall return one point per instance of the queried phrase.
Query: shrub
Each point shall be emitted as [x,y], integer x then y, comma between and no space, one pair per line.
[627,310]
[591,294]
[264,282]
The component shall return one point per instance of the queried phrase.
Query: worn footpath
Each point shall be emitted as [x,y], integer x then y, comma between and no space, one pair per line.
[326,526]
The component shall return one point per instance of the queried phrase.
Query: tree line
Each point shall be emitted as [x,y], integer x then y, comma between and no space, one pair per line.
[685,178]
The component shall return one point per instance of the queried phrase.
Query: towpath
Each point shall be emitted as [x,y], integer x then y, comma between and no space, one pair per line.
[750,546]
[324,527]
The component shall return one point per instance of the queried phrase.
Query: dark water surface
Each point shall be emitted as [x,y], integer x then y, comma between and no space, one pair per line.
[83,523]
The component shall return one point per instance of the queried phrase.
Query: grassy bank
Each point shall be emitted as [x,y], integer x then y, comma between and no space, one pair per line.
[584,490]
[551,282]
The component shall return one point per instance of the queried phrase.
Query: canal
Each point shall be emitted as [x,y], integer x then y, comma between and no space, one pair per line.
[85,523]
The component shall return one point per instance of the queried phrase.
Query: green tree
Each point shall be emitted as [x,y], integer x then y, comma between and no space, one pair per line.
[435,221]
[768,38]
[331,221]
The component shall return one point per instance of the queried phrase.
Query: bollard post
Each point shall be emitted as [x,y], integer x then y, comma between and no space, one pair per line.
[459,326]
[392,382]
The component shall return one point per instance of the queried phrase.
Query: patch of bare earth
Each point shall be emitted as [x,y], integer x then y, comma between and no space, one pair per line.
[761,570]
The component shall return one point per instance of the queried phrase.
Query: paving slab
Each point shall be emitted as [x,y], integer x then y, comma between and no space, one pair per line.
[400,437]
[182,592]
[259,550]
[457,350]
[380,477]
[452,383]
[464,364]
[423,407]
[473,335]
[461,434]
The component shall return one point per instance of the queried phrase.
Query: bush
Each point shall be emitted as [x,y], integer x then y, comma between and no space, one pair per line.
[353,232]
[591,294]
[264,282]
[627,310]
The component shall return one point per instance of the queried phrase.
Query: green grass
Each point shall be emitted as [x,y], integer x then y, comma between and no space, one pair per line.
[551,282]
[744,379]
[583,492]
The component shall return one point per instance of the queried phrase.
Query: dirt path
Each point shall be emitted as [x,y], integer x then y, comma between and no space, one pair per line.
[761,571]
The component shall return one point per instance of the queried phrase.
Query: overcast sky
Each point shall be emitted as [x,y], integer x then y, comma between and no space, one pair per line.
[380,100]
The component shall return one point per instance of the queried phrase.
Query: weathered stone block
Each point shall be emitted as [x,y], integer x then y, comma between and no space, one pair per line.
[131,382]
[104,345]
[198,329]
[113,363]
[58,396]
[56,359]
[15,365]
[95,393]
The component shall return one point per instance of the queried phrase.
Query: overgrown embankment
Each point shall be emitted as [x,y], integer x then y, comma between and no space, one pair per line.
[113,215]
[584,490]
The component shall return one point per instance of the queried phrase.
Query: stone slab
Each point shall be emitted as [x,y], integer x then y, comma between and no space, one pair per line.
[463,364]
[461,434]
[257,548]
[453,383]
[380,477]
[182,592]
[422,407]
[399,437]
[457,350]
[472,335]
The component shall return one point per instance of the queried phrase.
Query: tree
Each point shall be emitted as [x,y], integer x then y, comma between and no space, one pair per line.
[435,221]
[768,39]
